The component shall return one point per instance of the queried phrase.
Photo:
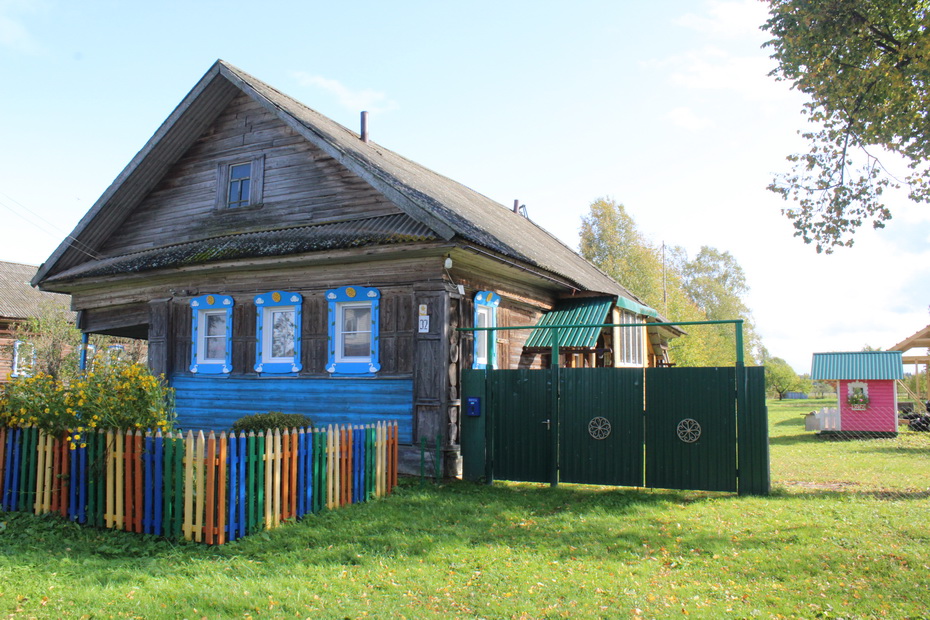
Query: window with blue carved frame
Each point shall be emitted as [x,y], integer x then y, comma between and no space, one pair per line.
[486,303]
[211,334]
[278,323]
[353,330]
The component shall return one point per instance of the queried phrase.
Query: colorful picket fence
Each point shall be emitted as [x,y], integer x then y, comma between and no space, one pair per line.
[210,489]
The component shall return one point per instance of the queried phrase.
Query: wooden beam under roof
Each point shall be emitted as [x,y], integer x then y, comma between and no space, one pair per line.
[919,339]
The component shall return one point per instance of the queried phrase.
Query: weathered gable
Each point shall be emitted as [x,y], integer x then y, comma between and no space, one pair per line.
[300,186]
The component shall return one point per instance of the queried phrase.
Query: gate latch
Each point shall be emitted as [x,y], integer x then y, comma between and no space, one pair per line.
[548,424]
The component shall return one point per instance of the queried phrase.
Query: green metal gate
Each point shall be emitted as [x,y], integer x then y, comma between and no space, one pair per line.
[659,427]
[691,428]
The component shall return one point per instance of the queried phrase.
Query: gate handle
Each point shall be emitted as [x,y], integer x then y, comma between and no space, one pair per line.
[548,424]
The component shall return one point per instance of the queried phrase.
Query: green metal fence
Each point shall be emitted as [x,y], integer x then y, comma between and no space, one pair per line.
[678,428]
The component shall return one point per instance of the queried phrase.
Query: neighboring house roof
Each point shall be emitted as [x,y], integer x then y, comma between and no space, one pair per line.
[18,300]
[447,209]
[860,365]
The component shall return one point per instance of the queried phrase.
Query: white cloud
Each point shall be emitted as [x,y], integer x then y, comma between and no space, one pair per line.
[729,19]
[711,68]
[686,118]
[355,100]
[14,36]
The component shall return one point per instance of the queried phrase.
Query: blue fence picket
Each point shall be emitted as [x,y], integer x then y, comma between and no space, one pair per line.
[8,468]
[74,480]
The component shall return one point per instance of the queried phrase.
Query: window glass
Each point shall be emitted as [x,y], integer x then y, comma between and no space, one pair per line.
[282,335]
[215,336]
[239,185]
[356,331]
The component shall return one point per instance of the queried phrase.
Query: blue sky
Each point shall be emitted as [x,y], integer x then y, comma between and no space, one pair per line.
[665,107]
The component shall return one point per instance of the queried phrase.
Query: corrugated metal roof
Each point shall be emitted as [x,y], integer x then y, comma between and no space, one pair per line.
[387,229]
[18,300]
[857,365]
[583,311]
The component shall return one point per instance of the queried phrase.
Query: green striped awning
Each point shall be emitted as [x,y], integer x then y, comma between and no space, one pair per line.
[858,365]
[581,311]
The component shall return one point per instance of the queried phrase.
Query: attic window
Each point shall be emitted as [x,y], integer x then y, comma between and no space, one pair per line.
[239,183]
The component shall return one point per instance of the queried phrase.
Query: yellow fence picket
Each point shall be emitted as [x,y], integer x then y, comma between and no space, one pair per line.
[188,526]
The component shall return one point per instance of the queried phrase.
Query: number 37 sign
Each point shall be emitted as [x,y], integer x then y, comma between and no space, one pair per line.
[423,324]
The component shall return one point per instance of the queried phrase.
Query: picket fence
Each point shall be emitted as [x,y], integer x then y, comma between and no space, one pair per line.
[210,489]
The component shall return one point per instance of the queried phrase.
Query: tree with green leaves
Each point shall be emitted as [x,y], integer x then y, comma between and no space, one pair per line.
[611,240]
[716,282]
[780,377]
[865,64]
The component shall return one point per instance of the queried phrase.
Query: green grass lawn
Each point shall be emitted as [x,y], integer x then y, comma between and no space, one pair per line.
[813,549]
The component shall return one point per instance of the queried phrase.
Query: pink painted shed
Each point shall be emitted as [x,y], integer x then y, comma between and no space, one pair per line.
[865,385]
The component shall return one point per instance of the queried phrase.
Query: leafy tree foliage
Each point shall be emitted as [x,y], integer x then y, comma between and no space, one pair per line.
[680,289]
[865,65]
[780,377]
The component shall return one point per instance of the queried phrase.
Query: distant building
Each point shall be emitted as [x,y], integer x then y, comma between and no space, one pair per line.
[19,301]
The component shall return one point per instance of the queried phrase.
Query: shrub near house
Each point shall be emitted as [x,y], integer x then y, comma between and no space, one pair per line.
[119,396]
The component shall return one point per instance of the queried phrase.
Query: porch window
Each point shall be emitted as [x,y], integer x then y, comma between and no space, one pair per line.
[211,334]
[239,183]
[486,303]
[353,330]
[630,348]
[278,324]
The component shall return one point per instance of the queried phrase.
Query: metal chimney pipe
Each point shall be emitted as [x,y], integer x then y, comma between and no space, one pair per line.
[516,206]
[364,132]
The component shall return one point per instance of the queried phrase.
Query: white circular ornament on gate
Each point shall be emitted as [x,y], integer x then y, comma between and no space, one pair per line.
[599,428]
[689,430]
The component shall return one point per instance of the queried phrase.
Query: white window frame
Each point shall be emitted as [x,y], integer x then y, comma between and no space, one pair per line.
[202,336]
[629,350]
[268,334]
[340,332]
[481,337]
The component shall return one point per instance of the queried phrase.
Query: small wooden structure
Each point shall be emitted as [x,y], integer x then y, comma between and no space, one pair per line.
[867,400]
[917,340]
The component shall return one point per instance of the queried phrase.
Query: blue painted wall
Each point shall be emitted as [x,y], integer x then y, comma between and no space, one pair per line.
[214,403]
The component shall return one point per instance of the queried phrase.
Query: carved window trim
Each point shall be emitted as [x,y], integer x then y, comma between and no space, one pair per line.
[201,309]
[266,305]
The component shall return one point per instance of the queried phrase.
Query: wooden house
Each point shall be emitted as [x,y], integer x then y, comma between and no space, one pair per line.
[867,397]
[19,301]
[275,260]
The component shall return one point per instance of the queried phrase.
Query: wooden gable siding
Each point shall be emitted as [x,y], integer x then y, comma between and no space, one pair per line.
[301,185]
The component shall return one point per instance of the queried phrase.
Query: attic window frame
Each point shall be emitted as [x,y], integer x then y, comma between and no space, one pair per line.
[256,182]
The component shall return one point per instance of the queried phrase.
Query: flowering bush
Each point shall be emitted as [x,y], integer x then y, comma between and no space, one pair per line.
[858,398]
[121,396]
